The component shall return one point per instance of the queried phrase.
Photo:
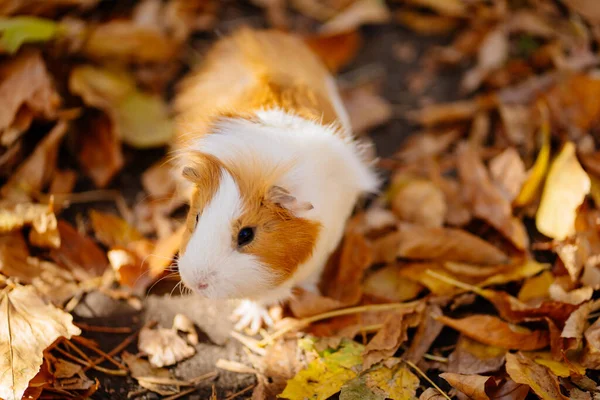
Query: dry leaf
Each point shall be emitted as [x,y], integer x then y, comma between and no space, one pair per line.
[537,173]
[495,332]
[305,304]
[431,394]
[524,370]
[446,244]
[471,357]
[41,218]
[100,152]
[536,288]
[427,332]
[493,53]
[388,285]
[366,108]
[336,51]
[184,324]
[565,188]
[140,368]
[587,8]
[486,200]
[130,269]
[420,202]
[79,253]
[474,386]
[164,346]
[112,231]
[35,173]
[426,24]
[508,172]
[382,382]
[28,327]
[360,12]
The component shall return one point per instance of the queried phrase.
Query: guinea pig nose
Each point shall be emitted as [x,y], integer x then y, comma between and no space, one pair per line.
[202,285]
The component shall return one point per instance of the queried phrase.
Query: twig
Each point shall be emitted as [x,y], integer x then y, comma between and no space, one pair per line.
[234,366]
[100,352]
[345,311]
[241,392]
[424,376]
[250,343]
[103,329]
[435,358]
[181,394]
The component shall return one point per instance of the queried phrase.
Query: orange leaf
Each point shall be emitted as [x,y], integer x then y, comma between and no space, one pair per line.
[336,51]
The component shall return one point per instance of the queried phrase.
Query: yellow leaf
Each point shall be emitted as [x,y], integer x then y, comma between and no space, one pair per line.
[558,368]
[536,287]
[524,370]
[326,375]
[27,327]
[525,270]
[538,171]
[17,31]
[397,383]
[565,189]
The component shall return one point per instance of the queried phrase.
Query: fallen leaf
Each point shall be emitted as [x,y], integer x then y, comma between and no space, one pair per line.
[112,231]
[382,382]
[431,394]
[141,368]
[140,119]
[508,172]
[558,368]
[446,244]
[537,173]
[525,371]
[536,287]
[359,12]
[26,83]
[427,333]
[566,186]
[587,8]
[130,269]
[336,51]
[519,271]
[305,304]
[420,202]
[474,386]
[325,375]
[35,172]
[49,7]
[471,357]
[79,253]
[39,216]
[485,199]
[17,31]
[366,108]
[158,180]
[130,42]
[510,390]
[576,296]
[164,346]
[100,152]
[391,335]
[426,24]
[495,332]
[591,352]
[445,7]
[492,54]
[577,323]
[29,326]
[387,284]
[354,259]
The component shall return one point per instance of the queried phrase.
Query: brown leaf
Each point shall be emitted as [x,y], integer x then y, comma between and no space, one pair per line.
[366,108]
[486,200]
[130,269]
[495,332]
[141,368]
[426,334]
[355,258]
[474,386]
[508,172]
[587,8]
[388,285]
[420,202]
[28,326]
[35,172]
[46,8]
[100,152]
[509,390]
[79,253]
[446,244]
[25,84]
[39,216]
[426,24]
[360,12]
[336,51]
[431,394]
[577,323]
[492,54]
[524,370]
[164,346]
[391,336]
[471,357]
[591,354]
[130,42]
[112,231]
[305,304]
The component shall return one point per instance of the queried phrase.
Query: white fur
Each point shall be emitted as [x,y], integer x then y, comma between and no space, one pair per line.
[210,257]
[327,171]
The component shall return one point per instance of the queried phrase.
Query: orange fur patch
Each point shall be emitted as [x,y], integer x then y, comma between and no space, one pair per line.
[282,241]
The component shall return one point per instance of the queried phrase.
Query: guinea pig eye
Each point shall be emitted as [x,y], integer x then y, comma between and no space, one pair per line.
[245,236]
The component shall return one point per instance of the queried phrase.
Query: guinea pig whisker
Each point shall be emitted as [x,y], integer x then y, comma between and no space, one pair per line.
[161,279]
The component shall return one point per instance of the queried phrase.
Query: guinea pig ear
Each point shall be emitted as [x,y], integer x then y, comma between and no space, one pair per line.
[191,174]
[283,198]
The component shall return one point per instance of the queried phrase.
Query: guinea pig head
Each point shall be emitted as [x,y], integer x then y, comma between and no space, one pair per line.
[245,234]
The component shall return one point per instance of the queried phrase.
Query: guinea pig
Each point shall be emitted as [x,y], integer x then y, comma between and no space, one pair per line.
[265,147]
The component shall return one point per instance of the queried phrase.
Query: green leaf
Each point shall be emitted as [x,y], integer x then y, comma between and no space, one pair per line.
[17,31]
[326,375]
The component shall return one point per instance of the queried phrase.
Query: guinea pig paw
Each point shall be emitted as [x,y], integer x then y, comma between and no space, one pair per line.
[251,317]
